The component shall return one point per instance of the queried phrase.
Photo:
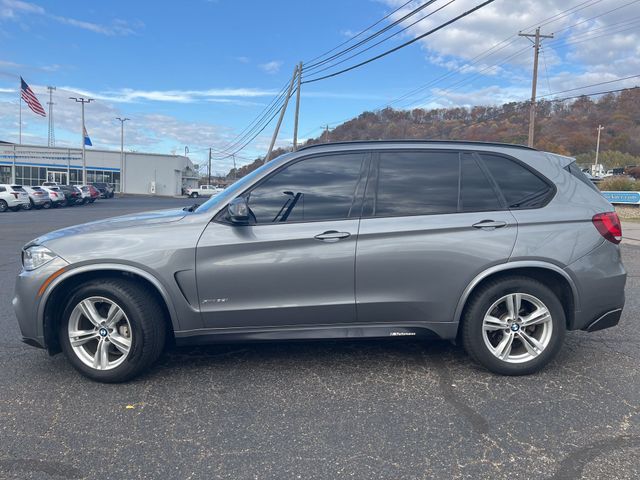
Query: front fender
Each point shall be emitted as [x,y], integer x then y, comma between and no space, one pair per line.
[73,271]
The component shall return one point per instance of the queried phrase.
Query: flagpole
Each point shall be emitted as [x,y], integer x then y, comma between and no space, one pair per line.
[83,100]
[20,118]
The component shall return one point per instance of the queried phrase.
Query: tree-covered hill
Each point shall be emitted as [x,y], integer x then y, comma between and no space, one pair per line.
[568,127]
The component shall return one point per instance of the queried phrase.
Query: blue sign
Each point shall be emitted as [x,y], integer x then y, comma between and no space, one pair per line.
[632,198]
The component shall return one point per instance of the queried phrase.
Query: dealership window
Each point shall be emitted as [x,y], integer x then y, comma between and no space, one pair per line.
[30,176]
[5,174]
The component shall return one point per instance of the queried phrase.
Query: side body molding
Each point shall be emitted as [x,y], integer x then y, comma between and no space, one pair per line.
[120,267]
[505,267]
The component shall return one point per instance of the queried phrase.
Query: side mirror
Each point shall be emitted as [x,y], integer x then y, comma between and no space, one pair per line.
[238,210]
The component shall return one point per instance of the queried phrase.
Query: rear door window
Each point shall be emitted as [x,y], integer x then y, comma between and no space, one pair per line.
[477,193]
[415,183]
[520,187]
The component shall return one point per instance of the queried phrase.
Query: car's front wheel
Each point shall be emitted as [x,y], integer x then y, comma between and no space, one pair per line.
[513,326]
[3,206]
[112,330]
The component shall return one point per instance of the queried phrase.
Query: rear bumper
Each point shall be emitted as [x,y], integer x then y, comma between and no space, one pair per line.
[600,279]
[608,320]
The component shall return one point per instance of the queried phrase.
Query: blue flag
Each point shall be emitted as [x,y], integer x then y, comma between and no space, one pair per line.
[87,140]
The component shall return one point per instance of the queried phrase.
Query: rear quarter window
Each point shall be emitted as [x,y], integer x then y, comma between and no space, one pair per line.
[574,170]
[520,187]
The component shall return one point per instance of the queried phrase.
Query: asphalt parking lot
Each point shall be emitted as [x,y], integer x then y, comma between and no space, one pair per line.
[367,409]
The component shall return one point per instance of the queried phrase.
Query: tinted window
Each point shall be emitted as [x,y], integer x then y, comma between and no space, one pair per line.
[477,194]
[416,183]
[579,174]
[521,187]
[320,188]
[3,189]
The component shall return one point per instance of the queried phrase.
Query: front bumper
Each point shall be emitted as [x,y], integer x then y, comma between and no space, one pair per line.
[27,301]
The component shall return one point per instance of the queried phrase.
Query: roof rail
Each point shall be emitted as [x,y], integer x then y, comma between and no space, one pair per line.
[416,141]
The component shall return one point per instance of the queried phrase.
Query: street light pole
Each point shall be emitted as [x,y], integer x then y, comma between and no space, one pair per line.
[122,167]
[82,101]
[600,128]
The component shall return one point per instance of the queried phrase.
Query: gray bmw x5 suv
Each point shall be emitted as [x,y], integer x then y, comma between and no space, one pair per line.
[501,247]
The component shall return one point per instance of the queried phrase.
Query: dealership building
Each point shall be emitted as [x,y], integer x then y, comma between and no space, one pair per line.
[143,173]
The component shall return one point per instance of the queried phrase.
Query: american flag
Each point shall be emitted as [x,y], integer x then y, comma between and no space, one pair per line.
[29,97]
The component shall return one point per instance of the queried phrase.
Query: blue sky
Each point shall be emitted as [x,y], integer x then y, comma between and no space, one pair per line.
[196,72]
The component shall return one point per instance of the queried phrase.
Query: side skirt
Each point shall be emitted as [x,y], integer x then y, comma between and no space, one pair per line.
[446,331]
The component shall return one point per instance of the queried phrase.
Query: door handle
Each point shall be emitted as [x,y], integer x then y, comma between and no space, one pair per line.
[489,224]
[331,236]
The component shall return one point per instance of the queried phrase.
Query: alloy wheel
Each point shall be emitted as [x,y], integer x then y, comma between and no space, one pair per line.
[517,328]
[100,333]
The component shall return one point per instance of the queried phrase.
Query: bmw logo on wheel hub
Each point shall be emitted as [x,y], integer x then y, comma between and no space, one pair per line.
[103,332]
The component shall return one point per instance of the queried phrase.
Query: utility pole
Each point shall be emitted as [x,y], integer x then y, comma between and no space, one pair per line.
[52,136]
[326,134]
[235,171]
[295,123]
[600,128]
[284,109]
[122,168]
[82,101]
[209,170]
[536,50]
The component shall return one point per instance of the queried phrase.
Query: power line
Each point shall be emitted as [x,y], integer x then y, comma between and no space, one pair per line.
[592,85]
[405,44]
[359,33]
[385,38]
[370,37]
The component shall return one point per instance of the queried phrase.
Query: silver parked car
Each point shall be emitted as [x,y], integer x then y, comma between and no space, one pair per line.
[502,247]
[38,197]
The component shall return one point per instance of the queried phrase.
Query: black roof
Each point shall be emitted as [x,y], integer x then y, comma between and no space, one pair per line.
[409,142]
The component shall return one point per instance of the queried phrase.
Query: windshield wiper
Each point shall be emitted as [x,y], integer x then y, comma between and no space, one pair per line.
[192,208]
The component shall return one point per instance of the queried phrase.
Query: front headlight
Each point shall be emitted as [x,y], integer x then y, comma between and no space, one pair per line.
[36,256]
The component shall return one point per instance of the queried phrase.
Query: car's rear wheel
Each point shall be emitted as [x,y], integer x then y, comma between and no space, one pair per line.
[194,195]
[46,205]
[513,326]
[3,206]
[112,330]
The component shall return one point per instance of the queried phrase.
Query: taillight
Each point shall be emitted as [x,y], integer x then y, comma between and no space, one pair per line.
[14,194]
[608,224]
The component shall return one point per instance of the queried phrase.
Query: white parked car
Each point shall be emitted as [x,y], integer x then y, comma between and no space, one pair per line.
[38,197]
[204,191]
[57,197]
[13,197]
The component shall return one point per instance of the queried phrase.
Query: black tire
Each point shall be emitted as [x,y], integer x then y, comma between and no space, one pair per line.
[148,329]
[3,206]
[27,206]
[92,200]
[479,305]
[63,203]
[46,205]
[194,195]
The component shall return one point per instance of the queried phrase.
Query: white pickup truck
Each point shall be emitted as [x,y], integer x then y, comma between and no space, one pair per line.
[203,191]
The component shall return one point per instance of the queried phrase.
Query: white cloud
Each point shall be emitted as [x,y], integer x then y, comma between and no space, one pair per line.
[271,67]
[573,58]
[130,95]
[15,9]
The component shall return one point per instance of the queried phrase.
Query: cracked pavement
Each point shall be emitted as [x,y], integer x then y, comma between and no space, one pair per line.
[352,409]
